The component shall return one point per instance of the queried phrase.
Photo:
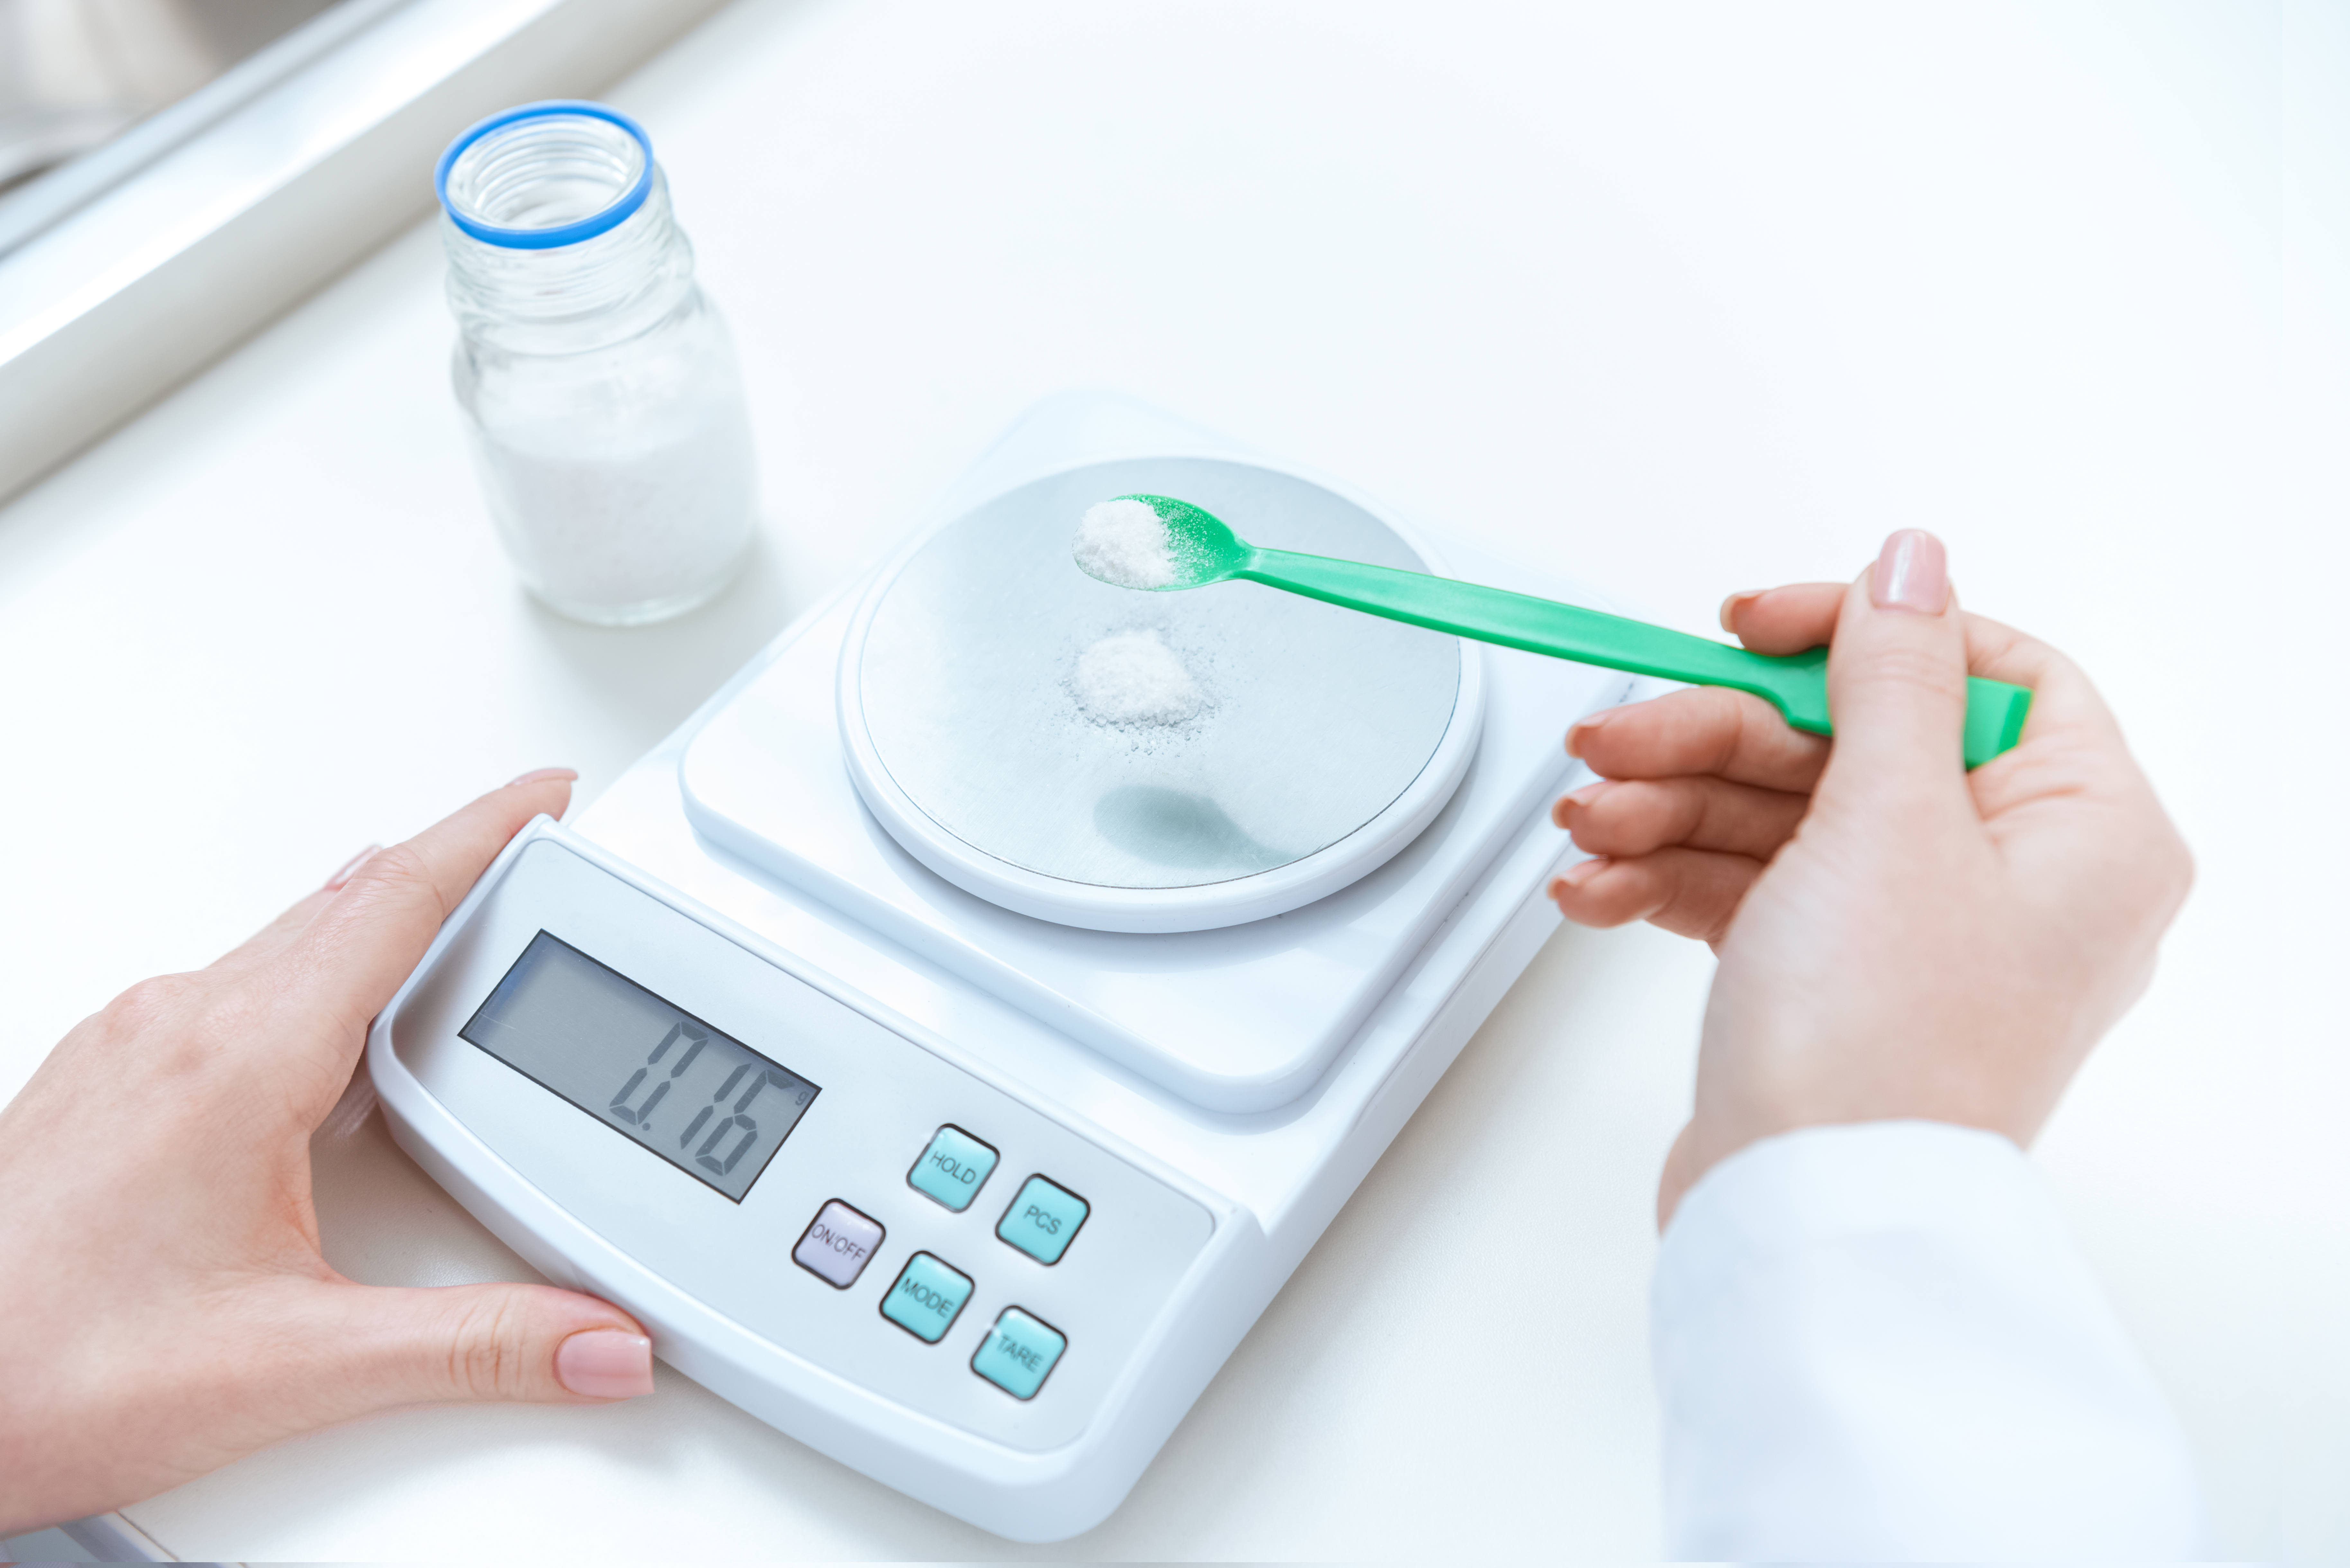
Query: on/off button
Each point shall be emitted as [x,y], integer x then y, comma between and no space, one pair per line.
[838,1244]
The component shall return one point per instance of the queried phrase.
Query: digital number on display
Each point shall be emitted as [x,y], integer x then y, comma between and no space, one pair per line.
[698,1097]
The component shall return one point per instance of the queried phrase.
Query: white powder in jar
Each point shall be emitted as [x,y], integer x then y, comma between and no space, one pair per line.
[599,520]
[1134,678]
[1124,543]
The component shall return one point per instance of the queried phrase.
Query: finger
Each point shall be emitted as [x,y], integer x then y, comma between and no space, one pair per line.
[2064,700]
[274,936]
[1635,816]
[2070,727]
[532,1344]
[1704,730]
[1690,892]
[355,951]
[1803,615]
[1897,689]
[1681,1172]
[1783,620]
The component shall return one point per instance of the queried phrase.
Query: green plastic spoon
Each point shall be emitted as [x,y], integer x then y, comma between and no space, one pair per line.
[1204,551]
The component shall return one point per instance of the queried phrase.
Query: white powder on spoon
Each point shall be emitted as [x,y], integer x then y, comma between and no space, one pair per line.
[1134,678]
[1124,543]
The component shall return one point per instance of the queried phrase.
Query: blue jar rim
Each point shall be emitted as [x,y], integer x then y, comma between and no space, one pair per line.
[623,208]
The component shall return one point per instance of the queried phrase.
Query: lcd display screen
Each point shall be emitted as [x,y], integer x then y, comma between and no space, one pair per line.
[700,1099]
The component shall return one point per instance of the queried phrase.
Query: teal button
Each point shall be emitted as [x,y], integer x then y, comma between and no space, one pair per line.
[1043,1220]
[952,1170]
[925,1298]
[1019,1353]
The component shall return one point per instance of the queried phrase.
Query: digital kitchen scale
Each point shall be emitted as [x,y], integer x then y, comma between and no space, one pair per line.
[949,1078]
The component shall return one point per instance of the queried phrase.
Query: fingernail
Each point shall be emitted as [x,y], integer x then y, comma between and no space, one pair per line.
[1911,574]
[1582,727]
[350,868]
[606,1364]
[1733,604]
[1575,800]
[540,775]
[1576,875]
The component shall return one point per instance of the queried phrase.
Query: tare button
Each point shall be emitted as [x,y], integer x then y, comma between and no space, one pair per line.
[1042,1220]
[953,1168]
[1018,1353]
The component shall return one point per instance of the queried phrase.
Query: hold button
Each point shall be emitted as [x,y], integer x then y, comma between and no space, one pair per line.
[953,1168]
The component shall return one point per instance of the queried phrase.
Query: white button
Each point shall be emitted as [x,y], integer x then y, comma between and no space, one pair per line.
[838,1244]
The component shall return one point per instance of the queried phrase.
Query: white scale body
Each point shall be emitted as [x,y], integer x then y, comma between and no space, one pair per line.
[1213,1096]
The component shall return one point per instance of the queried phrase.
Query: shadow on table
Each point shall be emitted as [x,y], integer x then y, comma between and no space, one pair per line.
[649,678]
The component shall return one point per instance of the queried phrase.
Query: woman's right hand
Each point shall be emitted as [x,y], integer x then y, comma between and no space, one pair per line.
[1900,938]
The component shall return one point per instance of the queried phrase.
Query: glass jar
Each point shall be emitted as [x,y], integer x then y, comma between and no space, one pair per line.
[598,385]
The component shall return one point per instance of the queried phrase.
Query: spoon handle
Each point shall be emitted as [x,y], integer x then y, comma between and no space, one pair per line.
[1796,685]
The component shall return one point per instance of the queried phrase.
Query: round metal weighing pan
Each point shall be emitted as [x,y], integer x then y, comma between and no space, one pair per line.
[1204,907]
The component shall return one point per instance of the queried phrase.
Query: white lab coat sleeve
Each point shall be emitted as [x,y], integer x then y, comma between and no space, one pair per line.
[1878,1341]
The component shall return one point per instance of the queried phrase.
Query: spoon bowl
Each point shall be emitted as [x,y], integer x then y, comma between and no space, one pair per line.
[1200,547]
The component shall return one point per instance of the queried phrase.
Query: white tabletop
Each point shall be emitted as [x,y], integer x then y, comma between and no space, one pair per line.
[1675,300]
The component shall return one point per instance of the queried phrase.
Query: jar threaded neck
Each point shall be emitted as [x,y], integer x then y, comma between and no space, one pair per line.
[557,228]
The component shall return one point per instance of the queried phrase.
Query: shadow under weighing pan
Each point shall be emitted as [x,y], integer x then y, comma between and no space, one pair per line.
[1327,739]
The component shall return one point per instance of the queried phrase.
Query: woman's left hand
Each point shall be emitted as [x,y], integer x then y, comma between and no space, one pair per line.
[168,1307]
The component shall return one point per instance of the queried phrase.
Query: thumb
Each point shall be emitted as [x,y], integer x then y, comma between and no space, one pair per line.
[1897,684]
[1681,1171]
[515,1342]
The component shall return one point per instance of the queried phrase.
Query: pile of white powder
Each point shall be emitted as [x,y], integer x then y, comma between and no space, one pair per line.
[1126,543]
[1134,678]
